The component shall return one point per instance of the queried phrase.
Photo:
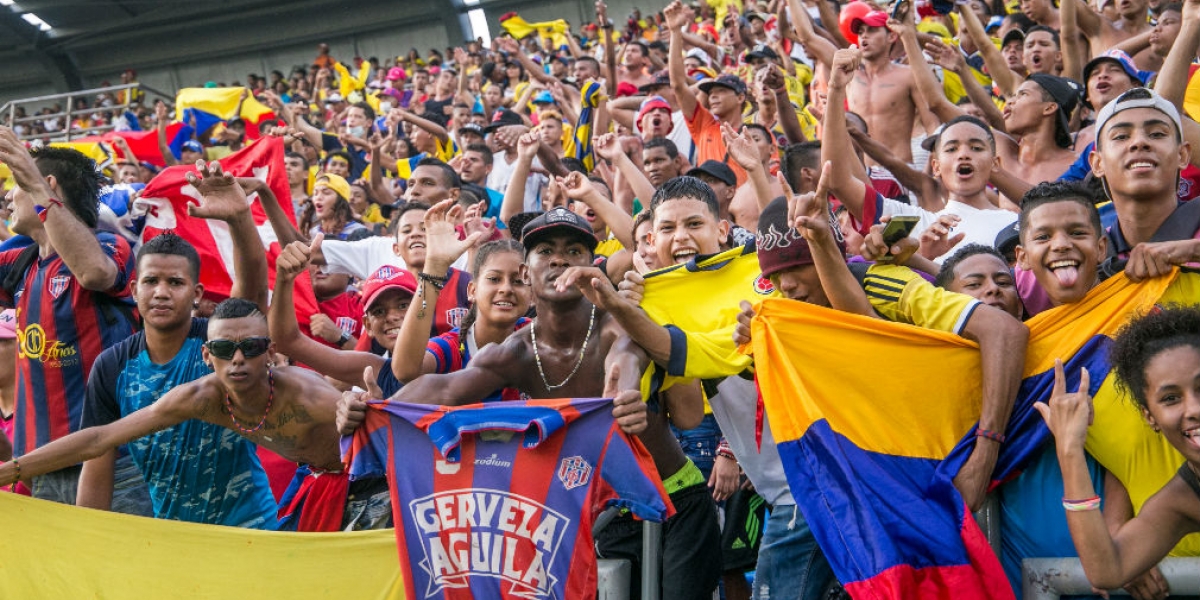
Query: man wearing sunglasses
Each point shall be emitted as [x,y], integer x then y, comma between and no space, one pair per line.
[288,410]
[195,471]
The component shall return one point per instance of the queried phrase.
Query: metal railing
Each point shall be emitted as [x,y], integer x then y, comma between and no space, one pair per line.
[126,92]
[1050,578]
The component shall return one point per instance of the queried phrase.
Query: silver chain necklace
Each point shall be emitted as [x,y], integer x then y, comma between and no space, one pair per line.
[579,361]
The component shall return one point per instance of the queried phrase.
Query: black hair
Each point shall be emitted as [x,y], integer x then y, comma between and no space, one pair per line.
[661,142]
[1052,32]
[484,253]
[588,59]
[449,176]
[236,308]
[1049,192]
[987,130]
[367,110]
[297,155]
[574,165]
[946,275]
[1141,340]
[805,155]
[467,196]
[1020,20]
[766,132]
[77,178]
[1176,7]
[172,245]
[403,208]
[685,187]
[855,119]
[658,45]
[483,151]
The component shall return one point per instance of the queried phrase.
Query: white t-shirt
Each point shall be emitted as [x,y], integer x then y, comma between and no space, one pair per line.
[362,257]
[501,175]
[980,226]
[680,136]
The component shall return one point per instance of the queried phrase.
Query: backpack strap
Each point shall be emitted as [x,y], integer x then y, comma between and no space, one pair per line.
[18,269]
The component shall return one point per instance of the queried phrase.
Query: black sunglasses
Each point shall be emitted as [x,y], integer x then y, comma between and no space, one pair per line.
[250,347]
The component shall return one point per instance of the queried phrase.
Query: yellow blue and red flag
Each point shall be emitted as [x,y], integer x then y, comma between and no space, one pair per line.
[871,459]
[206,107]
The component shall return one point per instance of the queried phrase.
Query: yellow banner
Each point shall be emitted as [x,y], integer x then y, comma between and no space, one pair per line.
[57,551]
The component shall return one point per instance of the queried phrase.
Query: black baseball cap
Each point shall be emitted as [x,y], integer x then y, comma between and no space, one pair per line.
[661,79]
[732,82]
[714,168]
[503,117]
[1013,35]
[558,220]
[1066,94]
[762,51]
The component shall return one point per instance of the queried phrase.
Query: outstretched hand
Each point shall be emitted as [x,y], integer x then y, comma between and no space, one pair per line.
[1068,414]
[14,154]
[441,237]
[593,284]
[223,198]
[352,407]
[741,148]
[809,213]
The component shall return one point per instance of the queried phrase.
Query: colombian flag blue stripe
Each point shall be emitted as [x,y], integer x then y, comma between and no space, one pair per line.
[871,453]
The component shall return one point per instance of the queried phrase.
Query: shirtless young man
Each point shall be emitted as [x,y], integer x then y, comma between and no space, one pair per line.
[288,410]
[1131,22]
[1037,116]
[565,353]
[882,92]
[635,65]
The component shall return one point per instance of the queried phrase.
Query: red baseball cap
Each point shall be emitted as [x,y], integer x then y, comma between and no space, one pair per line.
[649,104]
[875,18]
[386,278]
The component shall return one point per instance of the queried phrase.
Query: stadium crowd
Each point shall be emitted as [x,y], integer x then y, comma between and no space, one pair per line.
[529,218]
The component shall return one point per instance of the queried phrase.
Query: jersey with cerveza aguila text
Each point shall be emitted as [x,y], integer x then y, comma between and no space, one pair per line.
[498,500]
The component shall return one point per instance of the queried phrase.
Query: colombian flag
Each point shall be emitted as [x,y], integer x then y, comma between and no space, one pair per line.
[871,459]
[556,30]
[210,106]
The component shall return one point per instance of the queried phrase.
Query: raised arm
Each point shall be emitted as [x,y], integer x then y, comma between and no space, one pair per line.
[1074,53]
[224,199]
[311,134]
[514,195]
[285,231]
[927,189]
[1090,23]
[773,78]
[1110,561]
[951,59]
[160,125]
[380,191]
[342,365]
[1005,78]
[75,242]
[745,153]
[809,214]
[816,46]
[578,188]
[828,17]
[609,148]
[434,129]
[676,20]
[925,81]
[847,182]
[409,358]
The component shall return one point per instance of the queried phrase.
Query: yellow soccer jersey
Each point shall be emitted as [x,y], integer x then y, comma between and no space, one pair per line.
[900,294]
[698,302]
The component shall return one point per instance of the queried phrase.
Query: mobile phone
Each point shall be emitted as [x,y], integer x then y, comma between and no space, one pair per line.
[896,229]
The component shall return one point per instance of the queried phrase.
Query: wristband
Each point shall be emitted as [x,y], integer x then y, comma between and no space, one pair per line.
[342,340]
[44,211]
[17,465]
[1085,504]
[995,436]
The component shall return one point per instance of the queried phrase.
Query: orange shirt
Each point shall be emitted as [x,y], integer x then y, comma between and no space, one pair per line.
[706,133]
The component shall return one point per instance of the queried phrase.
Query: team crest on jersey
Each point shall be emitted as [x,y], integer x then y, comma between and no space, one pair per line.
[58,285]
[475,533]
[385,272]
[347,325]
[1185,188]
[455,316]
[763,286]
[574,472]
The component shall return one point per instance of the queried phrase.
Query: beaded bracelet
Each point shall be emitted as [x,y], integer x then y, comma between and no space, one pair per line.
[437,282]
[995,436]
[16,465]
[1092,503]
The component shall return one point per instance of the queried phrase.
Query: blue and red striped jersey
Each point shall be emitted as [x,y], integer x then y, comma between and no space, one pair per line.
[498,500]
[61,329]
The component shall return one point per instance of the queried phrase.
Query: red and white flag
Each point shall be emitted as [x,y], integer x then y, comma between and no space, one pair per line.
[166,199]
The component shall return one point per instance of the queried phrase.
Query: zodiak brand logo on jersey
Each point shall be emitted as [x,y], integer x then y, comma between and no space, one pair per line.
[484,533]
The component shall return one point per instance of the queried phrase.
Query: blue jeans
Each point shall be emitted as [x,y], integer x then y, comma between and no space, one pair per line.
[700,443]
[790,564]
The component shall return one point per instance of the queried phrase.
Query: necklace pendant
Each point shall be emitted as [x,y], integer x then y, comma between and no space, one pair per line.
[268,438]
